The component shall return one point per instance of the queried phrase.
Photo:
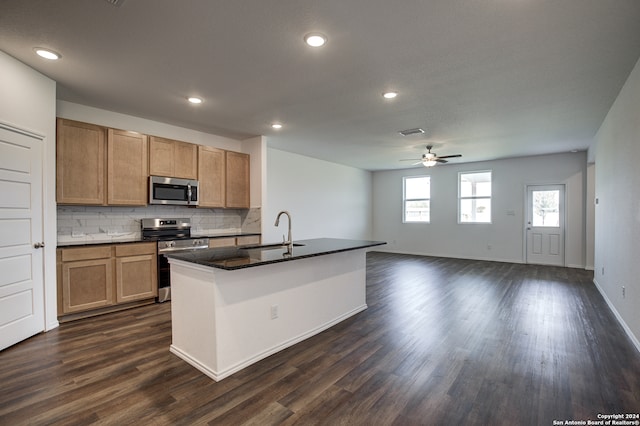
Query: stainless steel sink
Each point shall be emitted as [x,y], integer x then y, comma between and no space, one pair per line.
[269,246]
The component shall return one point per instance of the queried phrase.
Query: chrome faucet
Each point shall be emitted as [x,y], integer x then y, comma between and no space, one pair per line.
[289,242]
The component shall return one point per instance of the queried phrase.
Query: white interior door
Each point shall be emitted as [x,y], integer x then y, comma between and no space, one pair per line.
[21,256]
[545,224]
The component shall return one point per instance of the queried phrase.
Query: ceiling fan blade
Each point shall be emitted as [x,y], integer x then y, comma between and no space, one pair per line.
[440,160]
[450,156]
[411,159]
[419,162]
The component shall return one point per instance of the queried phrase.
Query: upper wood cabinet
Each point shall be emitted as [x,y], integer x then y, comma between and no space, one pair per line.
[127,168]
[212,176]
[237,182]
[80,158]
[172,158]
[99,166]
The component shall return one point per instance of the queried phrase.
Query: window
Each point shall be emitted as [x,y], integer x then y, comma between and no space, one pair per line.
[474,197]
[417,203]
[546,208]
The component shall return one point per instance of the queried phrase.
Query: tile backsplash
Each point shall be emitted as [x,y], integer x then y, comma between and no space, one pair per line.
[97,223]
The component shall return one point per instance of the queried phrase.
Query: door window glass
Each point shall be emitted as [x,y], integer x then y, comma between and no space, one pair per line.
[546,208]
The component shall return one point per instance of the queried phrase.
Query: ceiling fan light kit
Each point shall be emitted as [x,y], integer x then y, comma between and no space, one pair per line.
[430,159]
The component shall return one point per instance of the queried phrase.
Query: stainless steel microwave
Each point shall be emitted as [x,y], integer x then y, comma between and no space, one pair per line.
[167,190]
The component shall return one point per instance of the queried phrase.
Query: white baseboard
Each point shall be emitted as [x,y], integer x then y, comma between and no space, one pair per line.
[219,375]
[411,253]
[624,325]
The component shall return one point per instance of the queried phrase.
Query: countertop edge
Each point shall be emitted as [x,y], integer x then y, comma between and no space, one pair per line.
[71,244]
[359,244]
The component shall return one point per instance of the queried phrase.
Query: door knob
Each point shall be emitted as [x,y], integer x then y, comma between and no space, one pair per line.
[38,245]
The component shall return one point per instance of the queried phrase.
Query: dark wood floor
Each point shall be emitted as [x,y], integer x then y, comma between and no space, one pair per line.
[443,342]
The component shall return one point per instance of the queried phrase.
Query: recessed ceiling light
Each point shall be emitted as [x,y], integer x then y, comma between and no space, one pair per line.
[315,39]
[390,95]
[194,100]
[276,126]
[47,53]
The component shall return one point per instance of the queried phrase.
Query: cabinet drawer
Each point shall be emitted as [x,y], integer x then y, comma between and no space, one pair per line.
[222,242]
[243,241]
[135,249]
[86,253]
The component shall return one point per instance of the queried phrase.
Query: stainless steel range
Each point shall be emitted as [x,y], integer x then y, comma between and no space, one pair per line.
[172,235]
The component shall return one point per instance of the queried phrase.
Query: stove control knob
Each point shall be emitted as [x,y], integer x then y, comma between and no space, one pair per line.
[197,242]
[171,244]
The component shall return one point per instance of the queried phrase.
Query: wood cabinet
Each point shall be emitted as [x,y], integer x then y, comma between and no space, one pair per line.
[172,158]
[127,168]
[237,191]
[222,242]
[212,176]
[100,166]
[234,241]
[87,279]
[248,240]
[136,272]
[107,277]
[80,158]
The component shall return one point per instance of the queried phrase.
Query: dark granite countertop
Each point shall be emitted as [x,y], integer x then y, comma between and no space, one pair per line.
[64,244]
[231,258]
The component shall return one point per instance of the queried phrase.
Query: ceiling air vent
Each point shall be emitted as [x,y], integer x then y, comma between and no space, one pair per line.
[408,132]
[115,2]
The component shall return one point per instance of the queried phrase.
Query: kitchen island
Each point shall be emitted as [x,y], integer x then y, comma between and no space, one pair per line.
[232,307]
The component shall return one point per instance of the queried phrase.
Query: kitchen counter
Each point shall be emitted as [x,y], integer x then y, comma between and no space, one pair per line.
[138,239]
[232,307]
[232,258]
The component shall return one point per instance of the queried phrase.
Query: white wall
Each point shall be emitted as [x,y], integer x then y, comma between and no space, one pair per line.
[324,199]
[443,236]
[617,218]
[116,120]
[28,101]
[590,222]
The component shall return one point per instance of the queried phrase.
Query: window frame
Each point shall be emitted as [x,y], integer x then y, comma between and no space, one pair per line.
[405,199]
[476,197]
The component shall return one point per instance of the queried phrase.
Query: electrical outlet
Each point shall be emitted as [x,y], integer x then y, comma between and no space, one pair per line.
[602,271]
[274,312]
[488,246]
[624,292]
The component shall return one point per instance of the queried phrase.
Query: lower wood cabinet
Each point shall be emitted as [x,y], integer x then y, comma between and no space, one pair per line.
[87,279]
[99,279]
[136,272]
[234,241]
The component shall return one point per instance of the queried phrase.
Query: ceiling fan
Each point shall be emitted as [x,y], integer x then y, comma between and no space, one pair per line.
[430,159]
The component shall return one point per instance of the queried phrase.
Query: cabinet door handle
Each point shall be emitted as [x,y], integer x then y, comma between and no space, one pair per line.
[38,245]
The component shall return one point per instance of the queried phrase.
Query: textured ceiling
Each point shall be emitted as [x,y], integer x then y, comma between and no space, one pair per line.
[485,78]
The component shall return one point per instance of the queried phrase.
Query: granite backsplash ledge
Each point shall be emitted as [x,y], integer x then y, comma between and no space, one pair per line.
[97,223]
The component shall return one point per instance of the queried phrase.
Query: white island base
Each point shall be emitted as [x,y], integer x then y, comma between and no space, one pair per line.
[224,321]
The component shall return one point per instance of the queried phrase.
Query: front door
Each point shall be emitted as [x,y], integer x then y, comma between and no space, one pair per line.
[545,224]
[21,257]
